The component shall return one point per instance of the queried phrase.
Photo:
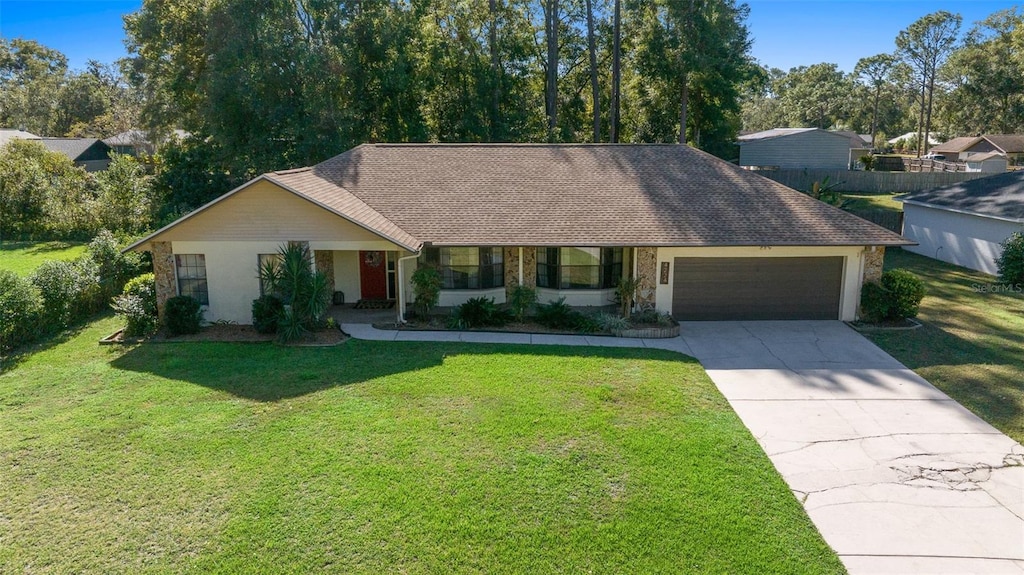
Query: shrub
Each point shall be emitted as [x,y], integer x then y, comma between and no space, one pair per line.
[20,307]
[304,291]
[874,302]
[521,301]
[905,293]
[626,291]
[558,315]
[480,312]
[610,322]
[267,312]
[137,306]
[61,285]
[426,286]
[898,296]
[113,268]
[651,316]
[182,315]
[1011,261]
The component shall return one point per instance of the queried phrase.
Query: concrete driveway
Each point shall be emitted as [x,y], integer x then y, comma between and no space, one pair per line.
[898,477]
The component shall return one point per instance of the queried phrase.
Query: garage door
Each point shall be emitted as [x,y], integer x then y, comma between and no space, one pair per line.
[757,288]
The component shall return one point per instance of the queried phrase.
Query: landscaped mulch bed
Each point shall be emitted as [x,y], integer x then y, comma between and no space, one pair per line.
[234,333]
[439,324]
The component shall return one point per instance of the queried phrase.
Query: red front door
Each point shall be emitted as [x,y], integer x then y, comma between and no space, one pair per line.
[373,275]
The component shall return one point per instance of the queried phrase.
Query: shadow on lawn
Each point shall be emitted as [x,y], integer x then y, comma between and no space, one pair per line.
[267,372]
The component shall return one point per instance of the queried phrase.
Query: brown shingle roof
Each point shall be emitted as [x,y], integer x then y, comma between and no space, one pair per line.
[572,194]
[1008,143]
[956,144]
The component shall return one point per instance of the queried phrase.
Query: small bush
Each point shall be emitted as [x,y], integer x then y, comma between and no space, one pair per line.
[610,322]
[558,315]
[1011,261]
[481,312]
[113,268]
[521,301]
[898,296]
[651,316]
[137,306]
[426,286]
[61,285]
[182,315]
[905,292]
[267,312]
[20,307]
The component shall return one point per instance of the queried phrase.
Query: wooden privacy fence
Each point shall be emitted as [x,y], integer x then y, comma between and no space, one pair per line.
[869,182]
[886,218]
[922,165]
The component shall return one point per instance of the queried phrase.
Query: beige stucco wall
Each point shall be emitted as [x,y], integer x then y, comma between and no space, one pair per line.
[852,268]
[346,274]
[264,211]
[231,276]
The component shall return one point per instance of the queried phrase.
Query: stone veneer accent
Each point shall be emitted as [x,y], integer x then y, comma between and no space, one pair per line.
[324,261]
[163,270]
[511,262]
[873,264]
[647,271]
[510,257]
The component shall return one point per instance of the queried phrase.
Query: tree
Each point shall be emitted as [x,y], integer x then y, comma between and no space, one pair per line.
[594,87]
[875,71]
[925,45]
[816,96]
[43,195]
[31,76]
[691,59]
[616,104]
[987,77]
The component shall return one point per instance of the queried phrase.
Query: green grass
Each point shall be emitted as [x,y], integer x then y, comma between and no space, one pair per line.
[379,457]
[24,257]
[859,201]
[972,342]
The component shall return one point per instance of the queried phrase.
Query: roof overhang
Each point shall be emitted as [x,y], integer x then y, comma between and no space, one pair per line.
[960,211]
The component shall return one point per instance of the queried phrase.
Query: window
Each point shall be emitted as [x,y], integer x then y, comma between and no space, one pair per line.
[192,276]
[263,262]
[467,268]
[579,268]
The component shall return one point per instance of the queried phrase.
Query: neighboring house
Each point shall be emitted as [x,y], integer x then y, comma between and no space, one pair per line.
[965,223]
[789,148]
[1010,146]
[6,135]
[137,142]
[989,163]
[90,153]
[707,239]
[952,149]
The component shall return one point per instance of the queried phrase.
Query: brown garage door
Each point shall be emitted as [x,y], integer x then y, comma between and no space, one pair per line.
[757,288]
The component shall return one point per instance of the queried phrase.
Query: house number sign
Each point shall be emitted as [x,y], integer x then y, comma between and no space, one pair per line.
[664,273]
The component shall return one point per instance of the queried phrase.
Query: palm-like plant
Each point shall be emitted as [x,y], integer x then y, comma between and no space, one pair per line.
[305,292]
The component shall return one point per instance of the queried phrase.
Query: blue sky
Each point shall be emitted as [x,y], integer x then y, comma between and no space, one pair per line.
[786,33]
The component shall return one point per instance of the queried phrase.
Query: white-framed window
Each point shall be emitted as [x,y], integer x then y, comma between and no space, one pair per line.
[191,270]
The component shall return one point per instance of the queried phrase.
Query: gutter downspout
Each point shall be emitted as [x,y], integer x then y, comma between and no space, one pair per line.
[401,286]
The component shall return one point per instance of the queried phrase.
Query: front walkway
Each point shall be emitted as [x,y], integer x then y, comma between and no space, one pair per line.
[898,477]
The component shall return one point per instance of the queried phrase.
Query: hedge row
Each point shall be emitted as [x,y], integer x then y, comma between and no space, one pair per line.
[60,294]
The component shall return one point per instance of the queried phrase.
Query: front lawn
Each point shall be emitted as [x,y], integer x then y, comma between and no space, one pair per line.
[972,342]
[384,457]
[24,257]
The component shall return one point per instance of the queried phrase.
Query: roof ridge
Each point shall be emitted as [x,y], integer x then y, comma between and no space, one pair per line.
[291,171]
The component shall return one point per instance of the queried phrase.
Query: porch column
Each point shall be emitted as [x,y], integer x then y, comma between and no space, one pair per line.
[324,261]
[647,272]
[163,271]
[519,270]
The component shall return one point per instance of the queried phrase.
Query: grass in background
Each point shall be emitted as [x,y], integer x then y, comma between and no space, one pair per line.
[972,342]
[384,457]
[868,201]
[24,257]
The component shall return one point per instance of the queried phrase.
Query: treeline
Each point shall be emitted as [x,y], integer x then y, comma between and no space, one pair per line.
[940,81]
